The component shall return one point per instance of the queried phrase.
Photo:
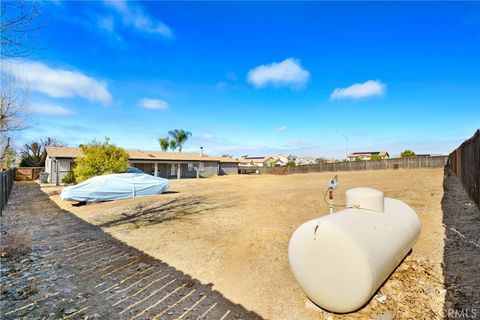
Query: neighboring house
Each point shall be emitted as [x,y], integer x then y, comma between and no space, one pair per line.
[277,160]
[247,161]
[304,161]
[367,155]
[160,164]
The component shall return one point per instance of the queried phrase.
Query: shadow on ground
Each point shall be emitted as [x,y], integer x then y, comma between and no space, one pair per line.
[76,270]
[146,213]
[461,262]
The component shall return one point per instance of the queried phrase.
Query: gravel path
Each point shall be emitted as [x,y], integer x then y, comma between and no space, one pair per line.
[76,271]
[461,218]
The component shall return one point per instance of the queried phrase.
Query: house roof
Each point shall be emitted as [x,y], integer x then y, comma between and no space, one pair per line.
[368,154]
[67,152]
[253,159]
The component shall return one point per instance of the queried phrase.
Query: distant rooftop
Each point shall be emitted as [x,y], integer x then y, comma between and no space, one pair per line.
[368,154]
[68,152]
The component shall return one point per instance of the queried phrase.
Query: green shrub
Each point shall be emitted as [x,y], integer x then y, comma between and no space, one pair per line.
[100,158]
[375,157]
[69,178]
[408,154]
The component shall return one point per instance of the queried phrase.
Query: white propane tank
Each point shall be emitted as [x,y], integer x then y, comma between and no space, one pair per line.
[341,259]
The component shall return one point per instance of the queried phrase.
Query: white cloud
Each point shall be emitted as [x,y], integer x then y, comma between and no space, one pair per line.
[135,16]
[282,129]
[48,109]
[369,88]
[154,104]
[60,83]
[288,73]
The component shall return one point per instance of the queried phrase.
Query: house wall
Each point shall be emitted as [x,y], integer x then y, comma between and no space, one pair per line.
[64,165]
[187,169]
[255,164]
[228,168]
[145,167]
[209,169]
[165,170]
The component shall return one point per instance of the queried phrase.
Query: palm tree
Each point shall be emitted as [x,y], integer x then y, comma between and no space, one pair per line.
[164,143]
[173,145]
[180,136]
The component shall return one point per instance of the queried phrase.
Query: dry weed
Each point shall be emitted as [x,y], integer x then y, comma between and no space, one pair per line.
[15,242]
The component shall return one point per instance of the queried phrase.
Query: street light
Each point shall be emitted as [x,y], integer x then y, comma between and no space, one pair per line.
[346,146]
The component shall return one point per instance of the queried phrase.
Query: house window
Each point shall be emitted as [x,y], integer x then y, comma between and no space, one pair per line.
[201,167]
[190,167]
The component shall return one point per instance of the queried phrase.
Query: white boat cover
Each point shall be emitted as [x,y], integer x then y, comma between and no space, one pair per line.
[114,187]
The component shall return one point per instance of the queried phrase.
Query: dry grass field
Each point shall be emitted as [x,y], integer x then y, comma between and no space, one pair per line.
[233,232]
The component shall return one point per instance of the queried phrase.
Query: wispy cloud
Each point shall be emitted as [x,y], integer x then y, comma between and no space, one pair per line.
[369,88]
[299,142]
[106,23]
[288,73]
[154,104]
[61,83]
[282,129]
[49,109]
[133,15]
[207,136]
[221,85]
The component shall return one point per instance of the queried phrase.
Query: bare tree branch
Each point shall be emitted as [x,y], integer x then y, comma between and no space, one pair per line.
[13,101]
[20,25]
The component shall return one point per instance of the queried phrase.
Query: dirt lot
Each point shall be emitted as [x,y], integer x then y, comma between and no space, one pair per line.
[233,232]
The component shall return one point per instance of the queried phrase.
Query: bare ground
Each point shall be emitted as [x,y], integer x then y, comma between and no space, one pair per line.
[76,271]
[233,231]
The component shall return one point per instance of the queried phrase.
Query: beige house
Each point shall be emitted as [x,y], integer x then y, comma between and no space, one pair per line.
[160,164]
[253,161]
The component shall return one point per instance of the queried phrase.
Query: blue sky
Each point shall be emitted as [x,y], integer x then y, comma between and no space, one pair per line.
[258,78]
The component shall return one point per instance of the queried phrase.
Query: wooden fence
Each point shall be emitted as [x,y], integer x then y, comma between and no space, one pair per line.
[6,183]
[465,162]
[28,173]
[394,163]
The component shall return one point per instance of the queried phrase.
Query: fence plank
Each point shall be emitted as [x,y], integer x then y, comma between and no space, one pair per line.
[465,163]
[393,163]
[6,184]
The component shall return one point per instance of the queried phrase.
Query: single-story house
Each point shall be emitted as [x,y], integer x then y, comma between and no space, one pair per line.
[367,155]
[168,165]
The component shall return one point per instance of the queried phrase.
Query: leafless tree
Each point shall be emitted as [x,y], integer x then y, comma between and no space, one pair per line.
[13,101]
[13,111]
[20,25]
[6,152]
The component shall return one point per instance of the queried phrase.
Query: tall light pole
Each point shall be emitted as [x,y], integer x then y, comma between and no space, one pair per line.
[346,146]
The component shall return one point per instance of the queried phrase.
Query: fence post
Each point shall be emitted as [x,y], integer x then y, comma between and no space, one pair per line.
[1,193]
